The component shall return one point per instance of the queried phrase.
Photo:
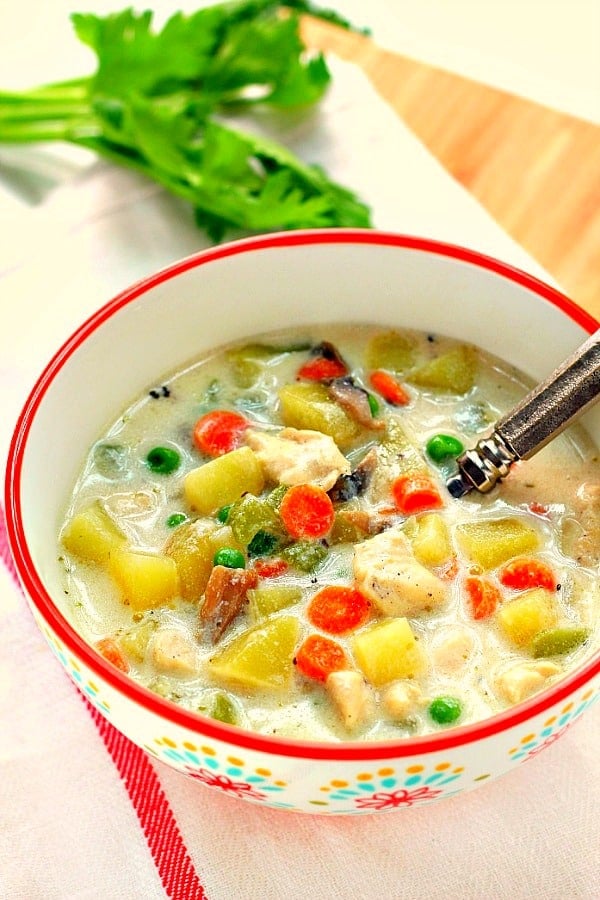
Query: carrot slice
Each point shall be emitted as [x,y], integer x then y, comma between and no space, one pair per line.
[320,369]
[307,511]
[319,656]
[390,389]
[109,649]
[338,609]
[524,573]
[484,596]
[415,491]
[220,431]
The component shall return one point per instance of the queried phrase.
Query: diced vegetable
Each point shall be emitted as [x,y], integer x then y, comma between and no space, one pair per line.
[219,432]
[527,615]
[524,573]
[338,609]
[320,369]
[319,656]
[558,641]
[441,447]
[390,389]
[135,641]
[309,406]
[163,460]
[305,555]
[260,657]
[265,601]
[92,535]
[453,371]
[414,492]
[145,580]
[262,544]
[491,542]
[249,515]
[346,529]
[223,480]
[307,512]
[325,363]
[193,550]
[390,350]
[270,568]
[445,710]
[483,595]
[388,651]
[224,709]
[248,362]
[109,649]
[431,540]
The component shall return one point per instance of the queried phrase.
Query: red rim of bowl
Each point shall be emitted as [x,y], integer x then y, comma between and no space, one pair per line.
[195,722]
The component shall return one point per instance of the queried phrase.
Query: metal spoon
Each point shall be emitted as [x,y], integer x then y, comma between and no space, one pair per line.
[542,415]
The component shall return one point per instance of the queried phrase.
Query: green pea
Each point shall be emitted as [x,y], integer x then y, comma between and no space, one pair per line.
[223,513]
[445,710]
[176,519]
[229,557]
[163,460]
[373,404]
[443,446]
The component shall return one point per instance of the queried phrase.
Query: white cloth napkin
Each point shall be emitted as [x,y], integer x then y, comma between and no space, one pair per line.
[84,816]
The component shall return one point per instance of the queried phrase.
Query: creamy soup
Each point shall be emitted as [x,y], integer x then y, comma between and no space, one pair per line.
[265,537]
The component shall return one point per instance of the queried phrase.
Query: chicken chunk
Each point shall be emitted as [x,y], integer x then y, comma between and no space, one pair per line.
[524,679]
[401,699]
[172,651]
[351,696]
[453,649]
[298,456]
[387,572]
[587,546]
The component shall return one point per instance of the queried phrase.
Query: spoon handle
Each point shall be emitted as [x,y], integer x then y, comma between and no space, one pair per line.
[542,415]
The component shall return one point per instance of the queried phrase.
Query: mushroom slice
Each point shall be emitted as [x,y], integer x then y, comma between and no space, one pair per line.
[225,594]
[355,401]
[353,485]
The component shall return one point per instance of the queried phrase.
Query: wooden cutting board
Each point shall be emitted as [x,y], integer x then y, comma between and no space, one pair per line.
[536,170]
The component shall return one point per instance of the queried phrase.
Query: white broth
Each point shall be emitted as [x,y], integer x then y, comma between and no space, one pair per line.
[265,537]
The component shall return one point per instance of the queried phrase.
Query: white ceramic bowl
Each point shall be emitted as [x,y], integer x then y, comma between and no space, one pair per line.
[227,293]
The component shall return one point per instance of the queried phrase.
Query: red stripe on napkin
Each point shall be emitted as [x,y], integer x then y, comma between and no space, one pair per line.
[170,855]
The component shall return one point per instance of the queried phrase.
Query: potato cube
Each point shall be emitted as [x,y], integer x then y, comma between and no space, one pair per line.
[491,542]
[453,371]
[264,602]
[145,580]
[92,535]
[431,541]
[527,615]
[309,406]
[390,350]
[261,657]
[223,480]
[387,651]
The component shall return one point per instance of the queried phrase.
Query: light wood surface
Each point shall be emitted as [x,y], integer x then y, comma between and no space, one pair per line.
[536,170]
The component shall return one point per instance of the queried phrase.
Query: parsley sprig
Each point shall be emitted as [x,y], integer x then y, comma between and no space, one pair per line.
[162,102]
